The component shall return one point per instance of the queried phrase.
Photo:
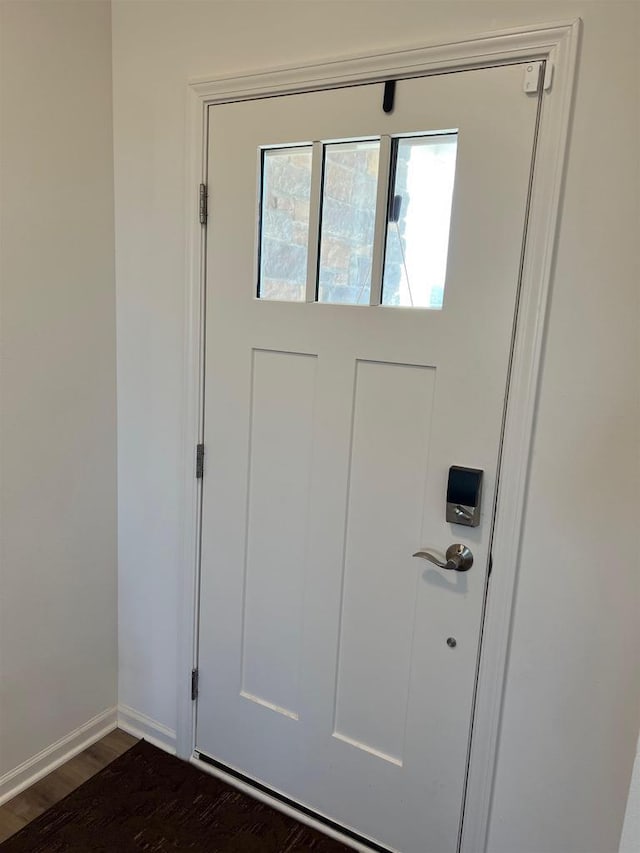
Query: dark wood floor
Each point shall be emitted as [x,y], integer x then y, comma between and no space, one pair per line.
[24,808]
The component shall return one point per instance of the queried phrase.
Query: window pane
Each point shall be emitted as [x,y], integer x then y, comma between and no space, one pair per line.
[284,223]
[419,218]
[348,220]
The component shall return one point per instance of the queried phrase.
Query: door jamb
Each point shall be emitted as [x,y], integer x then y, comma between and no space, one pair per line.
[557,44]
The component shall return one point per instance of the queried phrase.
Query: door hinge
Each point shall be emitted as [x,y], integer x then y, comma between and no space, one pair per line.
[194,684]
[203,204]
[199,461]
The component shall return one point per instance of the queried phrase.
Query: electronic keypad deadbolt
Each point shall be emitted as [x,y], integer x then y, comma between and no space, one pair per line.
[464,496]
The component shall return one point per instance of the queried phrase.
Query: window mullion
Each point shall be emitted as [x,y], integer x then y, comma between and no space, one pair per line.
[315,203]
[380,228]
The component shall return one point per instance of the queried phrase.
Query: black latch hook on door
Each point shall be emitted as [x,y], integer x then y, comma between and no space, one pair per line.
[389,96]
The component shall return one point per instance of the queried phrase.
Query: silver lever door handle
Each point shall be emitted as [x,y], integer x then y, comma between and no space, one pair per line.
[459,558]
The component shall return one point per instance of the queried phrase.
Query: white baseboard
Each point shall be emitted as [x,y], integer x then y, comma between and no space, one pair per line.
[139,725]
[33,769]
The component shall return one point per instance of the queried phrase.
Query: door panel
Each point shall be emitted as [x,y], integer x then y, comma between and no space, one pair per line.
[388,458]
[280,448]
[325,671]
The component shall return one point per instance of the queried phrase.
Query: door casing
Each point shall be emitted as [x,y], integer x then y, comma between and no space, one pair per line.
[557,46]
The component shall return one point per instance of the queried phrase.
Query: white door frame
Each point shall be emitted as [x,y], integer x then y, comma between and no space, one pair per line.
[557,45]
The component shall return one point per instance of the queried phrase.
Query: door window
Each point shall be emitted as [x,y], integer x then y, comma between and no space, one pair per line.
[349,186]
[391,203]
[284,222]
[418,221]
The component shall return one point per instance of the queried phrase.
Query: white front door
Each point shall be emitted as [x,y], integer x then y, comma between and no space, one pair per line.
[362,281]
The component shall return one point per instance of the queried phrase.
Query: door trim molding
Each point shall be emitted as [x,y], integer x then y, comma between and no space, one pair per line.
[557,44]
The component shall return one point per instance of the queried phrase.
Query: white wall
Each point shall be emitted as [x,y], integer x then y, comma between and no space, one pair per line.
[573,695]
[57,385]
